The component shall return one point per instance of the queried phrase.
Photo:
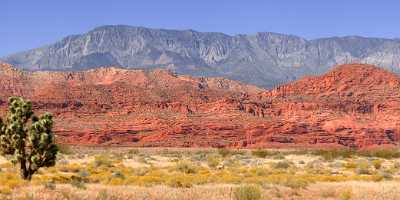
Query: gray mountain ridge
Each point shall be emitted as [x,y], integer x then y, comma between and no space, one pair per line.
[264,59]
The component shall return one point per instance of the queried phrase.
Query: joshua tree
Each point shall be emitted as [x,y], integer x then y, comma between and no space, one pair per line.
[28,139]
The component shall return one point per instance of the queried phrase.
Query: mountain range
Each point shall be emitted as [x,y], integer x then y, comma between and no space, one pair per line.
[265,59]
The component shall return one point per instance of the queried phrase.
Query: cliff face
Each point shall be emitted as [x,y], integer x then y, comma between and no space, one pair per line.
[264,59]
[352,105]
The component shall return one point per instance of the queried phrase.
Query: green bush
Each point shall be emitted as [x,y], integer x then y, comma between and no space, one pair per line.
[261,153]
[332,154]
[247,192]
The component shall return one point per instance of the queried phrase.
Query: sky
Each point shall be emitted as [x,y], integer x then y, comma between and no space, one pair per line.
[27,24]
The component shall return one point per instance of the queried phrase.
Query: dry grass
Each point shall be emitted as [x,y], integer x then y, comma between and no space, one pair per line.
[207,174]
[318,191]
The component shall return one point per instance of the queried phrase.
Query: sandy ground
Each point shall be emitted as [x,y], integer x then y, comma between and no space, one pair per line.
[319,191]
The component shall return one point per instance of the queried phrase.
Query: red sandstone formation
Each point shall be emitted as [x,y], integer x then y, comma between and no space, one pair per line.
[353,105]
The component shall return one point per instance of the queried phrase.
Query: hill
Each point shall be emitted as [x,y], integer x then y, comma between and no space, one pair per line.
[352,105]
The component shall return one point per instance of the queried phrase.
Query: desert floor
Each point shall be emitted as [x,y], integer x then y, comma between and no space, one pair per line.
[179,174]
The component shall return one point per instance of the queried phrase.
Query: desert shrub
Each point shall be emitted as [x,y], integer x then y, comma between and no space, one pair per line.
[290,180]
[261,153]
[247,192]
[180,181]
[103,160]
[295,182]
[224,152]
[83,173]
[260,171]
[199,156]
[50,185]
[117,175]
[350,165]
[65,149]
[387,153]
[377,164]
[131,153]
[11,180]
[77,182]
[314,166]
[51,170]
[346,195]
[102,195]
[186,167]
[59,178]
[332,154]
[142,159]
[232,163]
[13,183]
[336,164]
[387,176]
[396,165]
[105,195]
[213,161]
[363,168]
[140,171]
[282,164]
[278,156]
[328,193]
[70,168]
[144,180]
[5,191]
[63,162]
[225,176]
[116,181]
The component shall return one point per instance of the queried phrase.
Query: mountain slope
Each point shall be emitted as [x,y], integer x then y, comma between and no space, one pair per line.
[352,106]
[265,59]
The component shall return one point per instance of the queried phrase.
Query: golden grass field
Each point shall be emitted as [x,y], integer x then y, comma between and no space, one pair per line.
[179,174]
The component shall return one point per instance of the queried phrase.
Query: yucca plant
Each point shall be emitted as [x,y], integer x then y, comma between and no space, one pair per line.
[26,138]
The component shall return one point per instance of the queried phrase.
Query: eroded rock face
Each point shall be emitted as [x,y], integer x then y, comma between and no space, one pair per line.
[352,105]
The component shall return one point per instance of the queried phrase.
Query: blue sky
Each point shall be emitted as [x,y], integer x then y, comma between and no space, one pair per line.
[26,24]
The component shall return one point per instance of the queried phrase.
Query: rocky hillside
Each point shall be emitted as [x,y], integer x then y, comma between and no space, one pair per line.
[265,59]
[352,105]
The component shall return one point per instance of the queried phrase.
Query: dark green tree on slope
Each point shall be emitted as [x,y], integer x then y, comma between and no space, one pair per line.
[28,139]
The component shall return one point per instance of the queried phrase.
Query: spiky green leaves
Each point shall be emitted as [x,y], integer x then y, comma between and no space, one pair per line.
[28,138]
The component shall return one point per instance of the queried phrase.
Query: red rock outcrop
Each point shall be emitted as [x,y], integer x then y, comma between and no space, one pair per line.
[353,105]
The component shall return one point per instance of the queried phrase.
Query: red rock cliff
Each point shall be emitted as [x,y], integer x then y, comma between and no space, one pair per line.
[353,105]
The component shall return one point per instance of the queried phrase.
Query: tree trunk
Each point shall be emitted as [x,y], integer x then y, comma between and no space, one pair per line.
[25,173]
